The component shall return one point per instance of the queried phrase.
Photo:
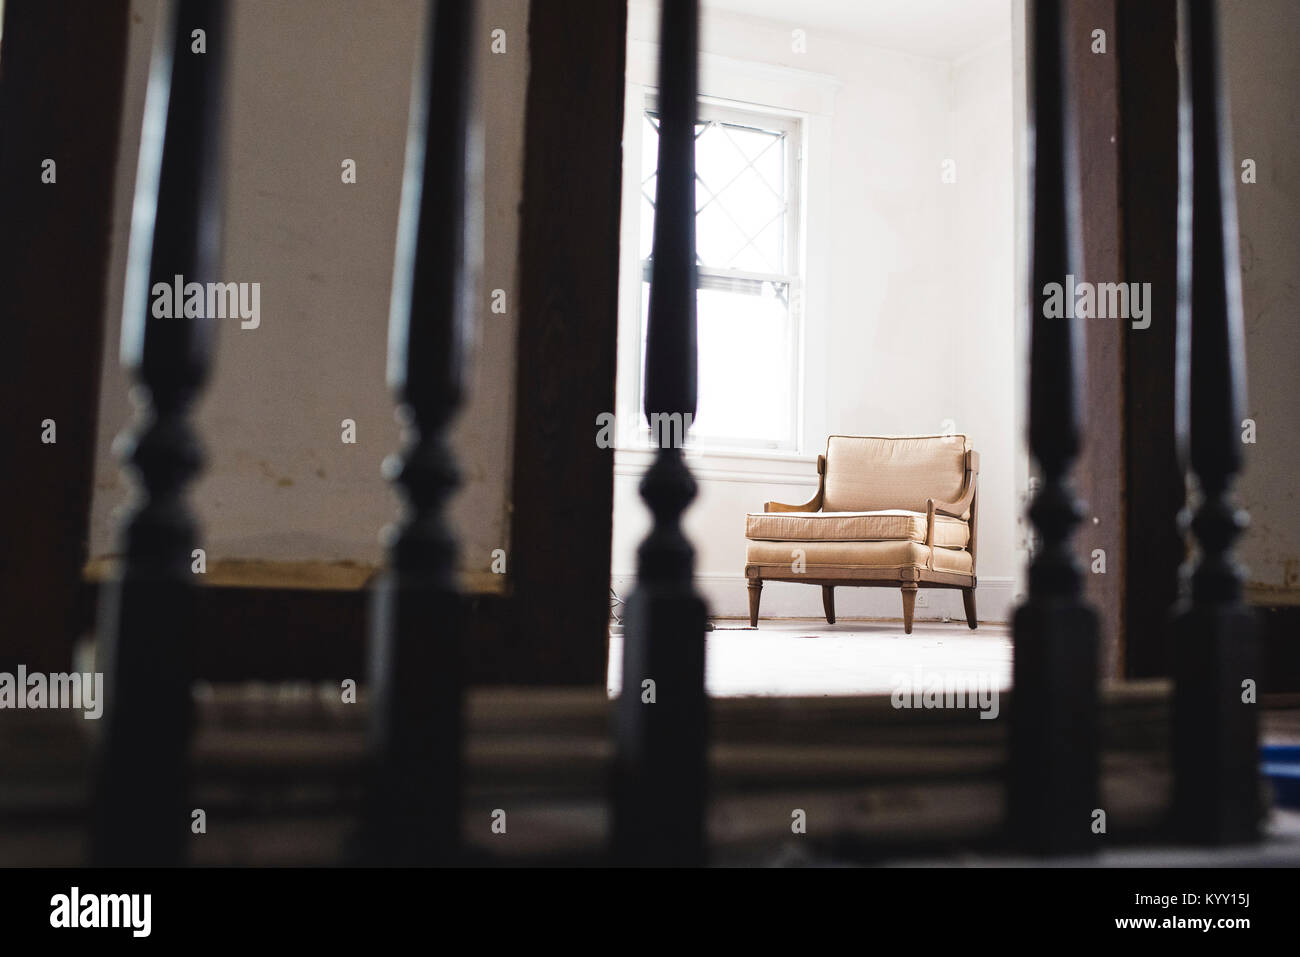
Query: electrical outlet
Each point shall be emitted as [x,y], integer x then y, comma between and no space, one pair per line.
[922,600]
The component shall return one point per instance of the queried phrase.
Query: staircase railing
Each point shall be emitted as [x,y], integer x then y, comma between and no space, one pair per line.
[660,792]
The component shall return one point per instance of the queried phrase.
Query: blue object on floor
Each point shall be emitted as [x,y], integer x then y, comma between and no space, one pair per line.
[1280,763]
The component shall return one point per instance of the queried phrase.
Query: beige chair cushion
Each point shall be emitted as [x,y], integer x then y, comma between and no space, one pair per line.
[889,525]
[877,473]
[850,559]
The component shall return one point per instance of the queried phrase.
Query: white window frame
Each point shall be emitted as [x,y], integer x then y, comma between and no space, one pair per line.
[768,91]
[791,124]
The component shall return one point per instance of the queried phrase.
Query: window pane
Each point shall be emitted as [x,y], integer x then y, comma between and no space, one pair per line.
[740,195]
[745,367]
[747,338]
[737,202]
[717,238]
[649,165]
[647,217]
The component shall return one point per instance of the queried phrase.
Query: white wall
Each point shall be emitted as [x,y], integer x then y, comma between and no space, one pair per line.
[984,297]
[310,84]
[914,332]
[1263,74]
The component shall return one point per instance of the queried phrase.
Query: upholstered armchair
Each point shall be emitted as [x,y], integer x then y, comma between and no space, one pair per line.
[893,511]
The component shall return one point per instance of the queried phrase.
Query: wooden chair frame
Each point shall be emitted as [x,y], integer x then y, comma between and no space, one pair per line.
[907,580]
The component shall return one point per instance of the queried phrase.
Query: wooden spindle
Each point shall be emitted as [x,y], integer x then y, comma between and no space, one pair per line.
[140,815]
[662,743]
[1052,790]
[1215,734]
[412,814]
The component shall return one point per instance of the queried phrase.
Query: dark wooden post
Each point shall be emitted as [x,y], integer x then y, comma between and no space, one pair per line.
[140,817]
[416,676]
[55,237]
[1216,780]
[1052,790]
[663,709]
[1153,484]
[562,484]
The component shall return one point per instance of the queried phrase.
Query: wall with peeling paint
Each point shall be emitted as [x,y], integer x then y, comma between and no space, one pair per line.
[1262,38]
[312,84]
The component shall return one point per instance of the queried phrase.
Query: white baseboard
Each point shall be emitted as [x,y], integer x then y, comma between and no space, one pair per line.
[728,597]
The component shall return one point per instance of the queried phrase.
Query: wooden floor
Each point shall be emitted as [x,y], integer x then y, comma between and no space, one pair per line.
[802,719]
[279,773]
[805,656]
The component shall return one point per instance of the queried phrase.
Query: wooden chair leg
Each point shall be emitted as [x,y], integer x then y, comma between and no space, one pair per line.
[828,603]
[968,599]
[755,593]
[909,603]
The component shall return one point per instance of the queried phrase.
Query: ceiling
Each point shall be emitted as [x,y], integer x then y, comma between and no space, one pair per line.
[938,28]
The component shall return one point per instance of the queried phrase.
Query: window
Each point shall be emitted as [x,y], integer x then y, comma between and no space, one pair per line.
[747,230]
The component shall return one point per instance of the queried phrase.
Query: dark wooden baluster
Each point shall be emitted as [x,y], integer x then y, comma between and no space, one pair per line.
[1053,773]
[140,814]
[413,809]
[1215,735]
[661,766]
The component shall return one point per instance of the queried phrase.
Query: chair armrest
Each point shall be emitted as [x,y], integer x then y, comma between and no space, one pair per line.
[812,505]
[954,509]
[960,507]
[932,507]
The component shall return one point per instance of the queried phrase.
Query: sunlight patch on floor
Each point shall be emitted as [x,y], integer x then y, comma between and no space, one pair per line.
[810,657]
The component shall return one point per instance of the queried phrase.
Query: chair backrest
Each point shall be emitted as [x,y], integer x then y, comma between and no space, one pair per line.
[866,473]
